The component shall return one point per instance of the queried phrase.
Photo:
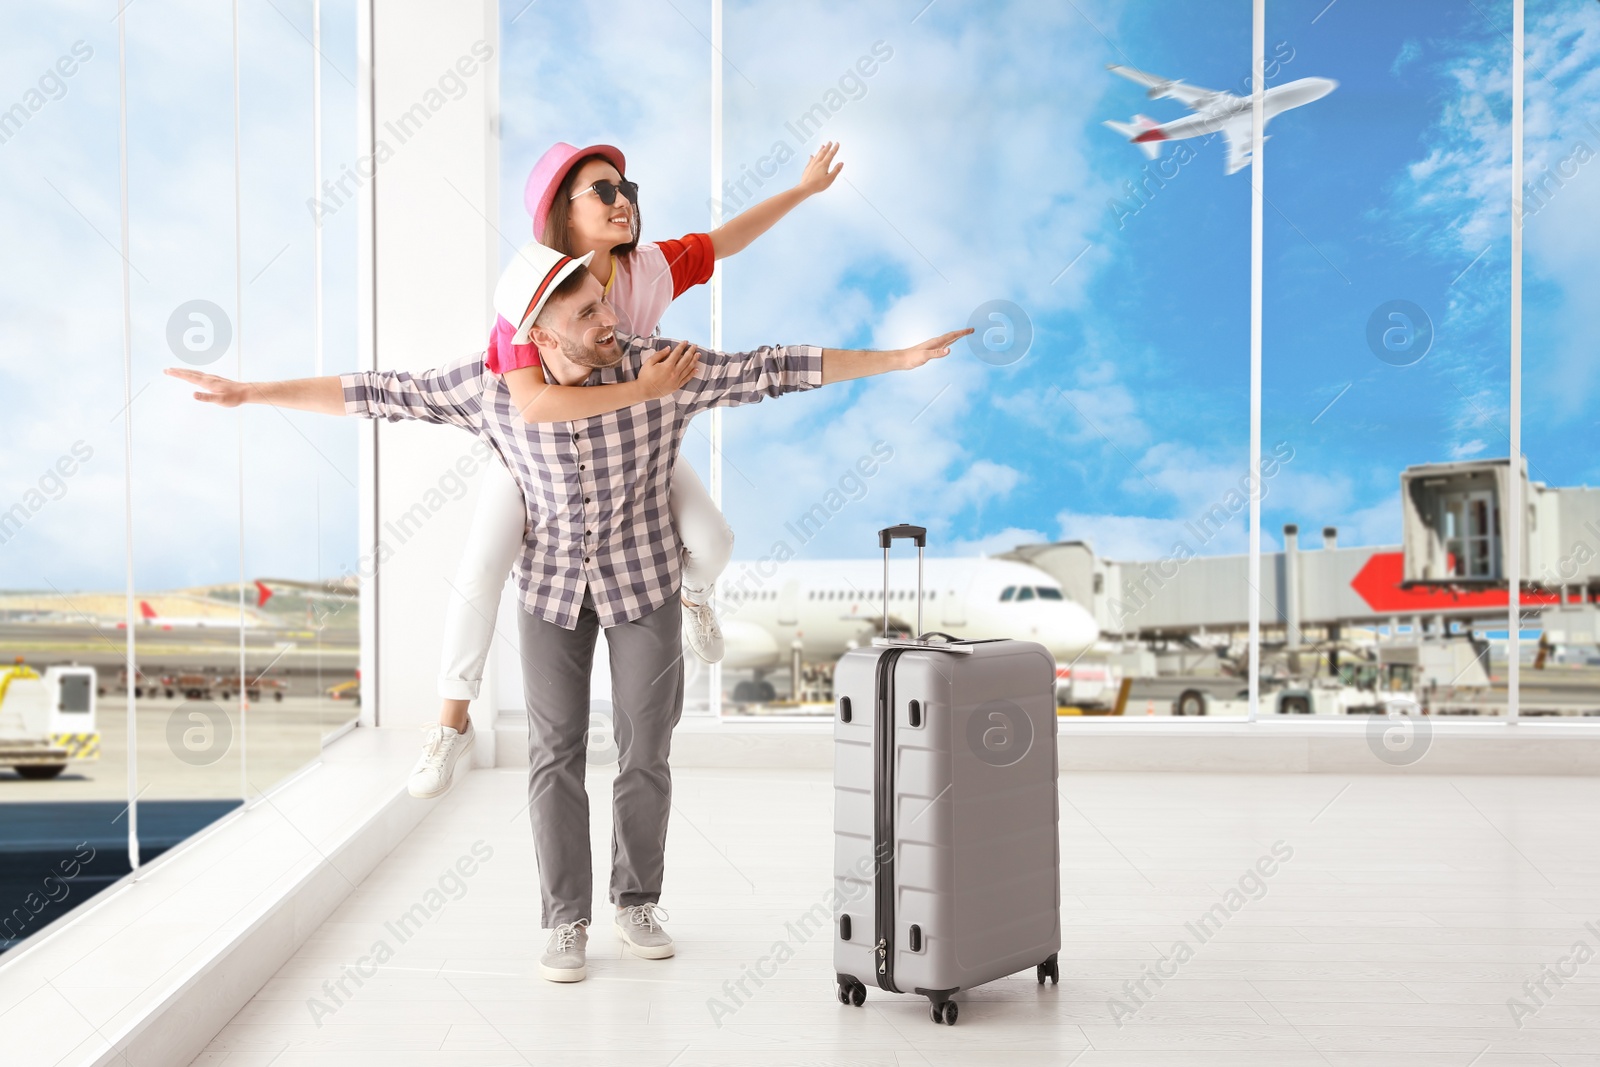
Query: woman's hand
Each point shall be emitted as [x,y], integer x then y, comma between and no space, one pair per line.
[818,175]
[666,370]
[938,347]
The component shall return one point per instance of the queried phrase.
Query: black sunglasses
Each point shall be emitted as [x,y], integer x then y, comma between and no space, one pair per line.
[607,191]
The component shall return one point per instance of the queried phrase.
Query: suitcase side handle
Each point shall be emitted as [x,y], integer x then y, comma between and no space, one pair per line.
[902,531]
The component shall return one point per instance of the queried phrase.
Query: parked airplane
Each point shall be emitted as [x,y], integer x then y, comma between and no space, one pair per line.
[830,606]
[148,616]
[1216,111]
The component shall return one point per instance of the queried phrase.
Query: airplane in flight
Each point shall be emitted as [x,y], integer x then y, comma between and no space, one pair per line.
[1215,111]
[831,606]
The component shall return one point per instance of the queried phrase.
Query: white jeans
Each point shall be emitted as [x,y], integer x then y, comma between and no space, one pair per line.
[495,539]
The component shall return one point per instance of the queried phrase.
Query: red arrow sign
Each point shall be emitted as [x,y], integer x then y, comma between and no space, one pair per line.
[1378,583]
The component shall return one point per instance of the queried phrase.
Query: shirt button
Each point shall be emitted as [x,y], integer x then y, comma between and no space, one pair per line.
[580,466]
[586,559]
[577,435]
[585,500]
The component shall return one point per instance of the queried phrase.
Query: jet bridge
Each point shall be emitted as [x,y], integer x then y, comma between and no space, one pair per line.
[1447,571]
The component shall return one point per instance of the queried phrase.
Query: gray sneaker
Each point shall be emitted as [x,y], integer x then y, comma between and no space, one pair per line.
[639,927]
[565,958]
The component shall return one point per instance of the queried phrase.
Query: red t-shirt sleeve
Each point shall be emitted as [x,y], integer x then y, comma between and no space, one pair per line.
[502,355]
[691,259]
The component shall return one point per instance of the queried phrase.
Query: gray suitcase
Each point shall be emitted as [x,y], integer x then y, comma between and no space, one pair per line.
[945,771]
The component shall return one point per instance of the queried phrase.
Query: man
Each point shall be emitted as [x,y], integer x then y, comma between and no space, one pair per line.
[600,551]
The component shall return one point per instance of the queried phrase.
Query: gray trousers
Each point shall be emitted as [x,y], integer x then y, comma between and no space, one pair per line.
[647,699]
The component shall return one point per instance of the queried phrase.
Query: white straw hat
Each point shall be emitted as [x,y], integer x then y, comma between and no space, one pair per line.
[527,282]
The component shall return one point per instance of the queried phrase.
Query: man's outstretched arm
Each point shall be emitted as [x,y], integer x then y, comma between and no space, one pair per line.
[727,379]
[843,364]
[451,394]
[325,396]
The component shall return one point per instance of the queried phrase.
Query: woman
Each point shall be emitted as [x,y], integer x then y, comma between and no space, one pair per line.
[581,202]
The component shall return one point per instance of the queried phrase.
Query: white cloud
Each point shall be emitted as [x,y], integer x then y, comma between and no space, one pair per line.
[1457,194]
[994,544]
[1409,51]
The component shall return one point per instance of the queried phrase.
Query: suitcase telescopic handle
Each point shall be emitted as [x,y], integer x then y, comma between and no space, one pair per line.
[904,531]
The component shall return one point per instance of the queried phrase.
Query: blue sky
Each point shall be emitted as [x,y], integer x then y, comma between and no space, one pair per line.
[977,170]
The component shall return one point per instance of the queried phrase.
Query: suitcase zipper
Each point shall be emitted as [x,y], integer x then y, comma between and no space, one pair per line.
[883,724]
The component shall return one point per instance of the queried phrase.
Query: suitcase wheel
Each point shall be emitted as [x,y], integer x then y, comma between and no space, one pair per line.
[852,992]
[1049,969]
[943,1012]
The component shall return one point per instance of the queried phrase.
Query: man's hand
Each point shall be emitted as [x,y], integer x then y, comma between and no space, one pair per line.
[843,365]
[220,391]
[323,395]
[818,176]
[915,356]
[666,370]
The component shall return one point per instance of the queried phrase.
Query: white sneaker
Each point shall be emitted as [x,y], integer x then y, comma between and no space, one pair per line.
[442,749]
[701,631]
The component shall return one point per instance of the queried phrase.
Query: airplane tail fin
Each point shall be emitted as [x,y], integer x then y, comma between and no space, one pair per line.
[146,611]
[1137,132]
[263,594]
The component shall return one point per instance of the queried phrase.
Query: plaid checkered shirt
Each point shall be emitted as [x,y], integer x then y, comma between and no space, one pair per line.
[596,489]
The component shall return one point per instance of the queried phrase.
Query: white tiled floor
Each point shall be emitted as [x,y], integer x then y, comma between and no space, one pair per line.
[1411,909]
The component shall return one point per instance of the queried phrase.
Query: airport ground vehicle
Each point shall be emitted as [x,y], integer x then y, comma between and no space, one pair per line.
[228,687]
[1405,673]
[1088,683]
[196,685]
[1355,692]
[47,720]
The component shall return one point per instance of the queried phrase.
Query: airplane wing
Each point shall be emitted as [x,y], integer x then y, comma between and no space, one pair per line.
[1237,133]
[1191,96]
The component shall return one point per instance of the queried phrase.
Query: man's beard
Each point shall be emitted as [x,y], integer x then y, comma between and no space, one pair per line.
[584,354]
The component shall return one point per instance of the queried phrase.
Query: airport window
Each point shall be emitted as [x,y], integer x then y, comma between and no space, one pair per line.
[198,566]
[1180,242]
[1469,535]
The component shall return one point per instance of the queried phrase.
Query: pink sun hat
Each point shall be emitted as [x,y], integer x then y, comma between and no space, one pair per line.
[540,192]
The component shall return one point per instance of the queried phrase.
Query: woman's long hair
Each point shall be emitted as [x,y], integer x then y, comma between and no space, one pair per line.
[556,235]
